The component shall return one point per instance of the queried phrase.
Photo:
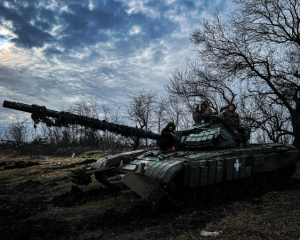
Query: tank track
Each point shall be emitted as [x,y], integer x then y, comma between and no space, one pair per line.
[234,190]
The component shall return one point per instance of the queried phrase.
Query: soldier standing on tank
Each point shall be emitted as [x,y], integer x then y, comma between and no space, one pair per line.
[167,141]
[234,125]
[205,111]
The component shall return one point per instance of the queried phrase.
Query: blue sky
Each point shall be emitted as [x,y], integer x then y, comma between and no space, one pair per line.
[54,53]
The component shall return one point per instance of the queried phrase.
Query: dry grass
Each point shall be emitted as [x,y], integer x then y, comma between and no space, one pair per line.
[92,207]
[274,215]
[95,154]
[43,172]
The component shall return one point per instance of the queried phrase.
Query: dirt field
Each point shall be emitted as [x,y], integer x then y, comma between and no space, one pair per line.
[38,201]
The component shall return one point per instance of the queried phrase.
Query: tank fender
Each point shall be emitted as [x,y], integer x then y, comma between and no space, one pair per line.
[115,160]
[165,171]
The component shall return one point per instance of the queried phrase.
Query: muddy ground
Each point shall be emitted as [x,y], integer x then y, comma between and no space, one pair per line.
[38,201]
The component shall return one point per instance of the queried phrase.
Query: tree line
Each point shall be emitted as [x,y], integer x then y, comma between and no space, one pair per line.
[146,110]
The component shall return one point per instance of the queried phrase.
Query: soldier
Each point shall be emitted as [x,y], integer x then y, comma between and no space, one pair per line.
[205,111]
[234,124]
[167,141]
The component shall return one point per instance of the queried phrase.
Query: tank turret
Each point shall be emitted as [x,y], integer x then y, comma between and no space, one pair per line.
[208,166]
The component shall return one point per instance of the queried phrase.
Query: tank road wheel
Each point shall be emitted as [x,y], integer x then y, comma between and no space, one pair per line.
[235,189]
[217,193]
[252,184]
[189,198]
[291,170]
[279,178]
[196,197]
[202,197]
[266,181]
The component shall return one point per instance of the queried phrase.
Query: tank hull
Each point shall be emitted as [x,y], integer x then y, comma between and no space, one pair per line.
[194,177]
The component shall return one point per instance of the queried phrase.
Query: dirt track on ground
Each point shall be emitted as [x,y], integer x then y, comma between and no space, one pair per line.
[38,201]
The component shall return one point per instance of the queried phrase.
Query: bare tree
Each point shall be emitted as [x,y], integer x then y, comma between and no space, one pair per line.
[141,109]
[258,47]
[178,112]
[83,137]
[196,83]
[160,111]
[84,108]
[275,120]
[110,140]
[17,132]
[53,134]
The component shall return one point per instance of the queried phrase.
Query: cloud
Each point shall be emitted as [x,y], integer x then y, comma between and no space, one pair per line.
[62,51]
[27,34]
[82,25]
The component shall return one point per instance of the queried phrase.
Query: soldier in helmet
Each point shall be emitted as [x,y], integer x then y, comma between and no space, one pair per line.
[233,123]
[167,141]
[205,111]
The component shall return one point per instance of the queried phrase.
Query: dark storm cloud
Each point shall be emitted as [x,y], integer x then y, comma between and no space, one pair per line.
[99,18]
[179,7]
[50,51]
[28,35]
[156,28]
[87,27]
[43,25]
[189,4]
[48,15]
[83,27]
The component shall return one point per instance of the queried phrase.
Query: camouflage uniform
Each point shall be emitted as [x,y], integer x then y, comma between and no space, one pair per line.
[233,123]
[206,113]
[231,118]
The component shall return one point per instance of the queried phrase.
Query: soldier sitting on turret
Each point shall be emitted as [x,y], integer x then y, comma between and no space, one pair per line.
[205,111]
[233,123]
[167,141]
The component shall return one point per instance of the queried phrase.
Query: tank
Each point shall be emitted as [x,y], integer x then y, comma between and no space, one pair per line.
[208,166]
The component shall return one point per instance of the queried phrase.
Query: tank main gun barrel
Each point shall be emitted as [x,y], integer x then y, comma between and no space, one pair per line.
[61,118]
[28,108]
